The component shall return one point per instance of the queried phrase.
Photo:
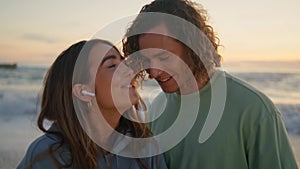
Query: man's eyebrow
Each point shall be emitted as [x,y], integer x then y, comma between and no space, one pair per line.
[160,53]
[107,58]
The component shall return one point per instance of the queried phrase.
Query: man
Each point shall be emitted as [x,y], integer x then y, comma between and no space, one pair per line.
[242,131]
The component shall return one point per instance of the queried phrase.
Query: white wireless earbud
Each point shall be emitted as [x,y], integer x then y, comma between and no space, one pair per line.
[87,93]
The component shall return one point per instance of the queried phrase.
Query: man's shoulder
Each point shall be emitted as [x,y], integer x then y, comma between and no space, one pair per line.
[240,91]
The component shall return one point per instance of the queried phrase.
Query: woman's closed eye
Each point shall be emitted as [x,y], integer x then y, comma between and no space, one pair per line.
[112,66]
[110,61]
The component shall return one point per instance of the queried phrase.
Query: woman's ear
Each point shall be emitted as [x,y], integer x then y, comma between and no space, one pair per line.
[78,92]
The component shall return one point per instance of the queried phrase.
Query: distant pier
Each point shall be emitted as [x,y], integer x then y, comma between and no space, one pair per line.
[8,65]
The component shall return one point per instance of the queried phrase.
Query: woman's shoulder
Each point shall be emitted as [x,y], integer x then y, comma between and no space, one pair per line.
[36,148]
[41,144]
[149,151]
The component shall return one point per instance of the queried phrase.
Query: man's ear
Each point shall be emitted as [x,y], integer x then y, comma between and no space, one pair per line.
[77,91]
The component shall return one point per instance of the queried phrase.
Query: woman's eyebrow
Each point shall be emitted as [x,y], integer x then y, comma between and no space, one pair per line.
[107,58]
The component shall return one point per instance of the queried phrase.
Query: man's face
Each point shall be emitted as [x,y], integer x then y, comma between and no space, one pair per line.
[169,64]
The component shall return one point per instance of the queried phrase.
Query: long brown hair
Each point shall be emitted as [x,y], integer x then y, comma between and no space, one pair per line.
[189,11]
[57,106]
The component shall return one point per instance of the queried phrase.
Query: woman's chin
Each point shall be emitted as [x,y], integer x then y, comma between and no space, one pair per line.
[134,100]
[128,104]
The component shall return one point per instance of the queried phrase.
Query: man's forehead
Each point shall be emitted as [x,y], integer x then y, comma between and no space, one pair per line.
[150,40]
[153,44]
[159,29]
[153,52]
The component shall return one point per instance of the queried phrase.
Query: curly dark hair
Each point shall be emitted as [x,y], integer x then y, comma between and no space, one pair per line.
[204,52]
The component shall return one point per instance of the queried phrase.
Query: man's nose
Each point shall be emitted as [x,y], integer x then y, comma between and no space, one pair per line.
[153,72]
[154,69]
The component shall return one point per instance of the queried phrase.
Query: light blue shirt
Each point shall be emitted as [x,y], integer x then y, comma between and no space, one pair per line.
[63,155]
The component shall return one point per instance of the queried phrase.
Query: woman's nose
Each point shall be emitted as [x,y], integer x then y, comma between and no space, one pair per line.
[129,72]
[125,71]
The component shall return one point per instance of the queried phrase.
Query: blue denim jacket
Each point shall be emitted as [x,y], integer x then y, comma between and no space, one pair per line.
[64,156]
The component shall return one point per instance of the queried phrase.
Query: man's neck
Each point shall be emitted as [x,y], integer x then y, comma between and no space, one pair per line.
[190,87]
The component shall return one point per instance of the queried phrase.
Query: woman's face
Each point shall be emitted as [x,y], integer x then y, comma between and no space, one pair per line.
[113,80]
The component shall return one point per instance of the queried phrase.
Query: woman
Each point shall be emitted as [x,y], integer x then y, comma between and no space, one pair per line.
[77,96]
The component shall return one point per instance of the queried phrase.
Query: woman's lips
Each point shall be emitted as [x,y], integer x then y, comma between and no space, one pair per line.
[128,86]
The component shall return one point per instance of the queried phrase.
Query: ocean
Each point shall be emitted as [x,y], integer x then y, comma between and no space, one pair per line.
[20,89]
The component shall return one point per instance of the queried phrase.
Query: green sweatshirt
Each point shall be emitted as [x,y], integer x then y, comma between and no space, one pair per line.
[250,133]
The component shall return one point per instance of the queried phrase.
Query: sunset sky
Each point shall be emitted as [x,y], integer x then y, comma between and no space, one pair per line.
[36,32]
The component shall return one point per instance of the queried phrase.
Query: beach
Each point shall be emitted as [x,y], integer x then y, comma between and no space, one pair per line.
[16,138]
[19,102]
[16,134]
